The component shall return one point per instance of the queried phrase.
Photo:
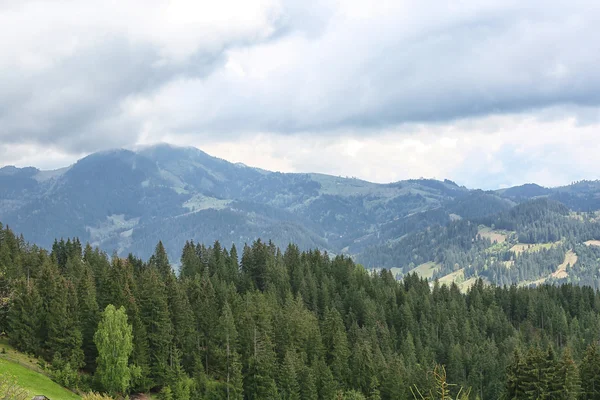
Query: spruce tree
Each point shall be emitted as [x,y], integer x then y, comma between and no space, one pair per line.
[25,317]
[515,377]
[335,341]
[89,315]
[154,313]
[566,377]
[288,380]
[590,373]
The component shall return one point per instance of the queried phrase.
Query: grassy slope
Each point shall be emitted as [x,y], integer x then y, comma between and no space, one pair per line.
[34,382]
[425,270]
[25,370]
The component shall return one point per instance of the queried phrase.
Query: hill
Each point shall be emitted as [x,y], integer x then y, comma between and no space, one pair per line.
[28,375]
[538,241]
[125,201]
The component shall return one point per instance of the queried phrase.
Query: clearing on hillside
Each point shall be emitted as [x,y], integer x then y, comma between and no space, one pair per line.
[493,235]
[524,247]
[456,277]
[593,243]
[425,270]
[561,271]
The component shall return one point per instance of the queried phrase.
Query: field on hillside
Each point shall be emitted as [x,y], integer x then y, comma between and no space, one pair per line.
[561,271]
[521,247]
[34,382]
[425,270]
[28,374]
[493,235]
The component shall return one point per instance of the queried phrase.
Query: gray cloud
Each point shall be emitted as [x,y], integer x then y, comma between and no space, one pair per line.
[78,78]
[376,71]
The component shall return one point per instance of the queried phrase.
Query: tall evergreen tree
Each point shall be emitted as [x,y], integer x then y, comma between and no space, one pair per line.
[154,313]
[25,316]
[566,377]
[590,373]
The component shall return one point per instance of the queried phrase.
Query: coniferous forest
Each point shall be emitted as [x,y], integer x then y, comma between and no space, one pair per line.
[266,323]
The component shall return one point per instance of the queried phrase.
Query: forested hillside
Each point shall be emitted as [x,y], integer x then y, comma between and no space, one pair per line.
[126,201]
[538,241]
[289,325]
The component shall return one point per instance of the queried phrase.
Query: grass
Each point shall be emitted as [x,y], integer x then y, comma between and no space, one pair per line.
[425,270]
[523,247]
[593,243]
[456,277]
[493,235]
[28,374]
[34,382]
[10,354]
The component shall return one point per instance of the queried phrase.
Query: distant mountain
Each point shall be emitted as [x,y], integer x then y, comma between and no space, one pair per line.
[128,200]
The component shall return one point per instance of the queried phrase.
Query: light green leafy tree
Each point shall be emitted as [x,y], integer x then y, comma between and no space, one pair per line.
[114,340]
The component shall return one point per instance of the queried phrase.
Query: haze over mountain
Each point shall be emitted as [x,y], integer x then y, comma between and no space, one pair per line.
[127,201]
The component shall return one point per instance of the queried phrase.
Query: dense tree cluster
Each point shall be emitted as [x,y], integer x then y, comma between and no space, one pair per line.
[290,325]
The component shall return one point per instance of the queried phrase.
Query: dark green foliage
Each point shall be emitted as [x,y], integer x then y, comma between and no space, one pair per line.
[590,373]
[302,325]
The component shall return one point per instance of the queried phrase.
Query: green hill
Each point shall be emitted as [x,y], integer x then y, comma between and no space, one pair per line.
[28,375]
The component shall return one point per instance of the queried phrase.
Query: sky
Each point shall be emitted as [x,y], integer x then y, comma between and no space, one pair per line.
[488,93]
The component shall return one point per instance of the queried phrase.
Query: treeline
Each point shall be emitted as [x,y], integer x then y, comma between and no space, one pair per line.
[289,325]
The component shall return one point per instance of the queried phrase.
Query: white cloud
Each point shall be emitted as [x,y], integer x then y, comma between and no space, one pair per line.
[488,92]
[486,152]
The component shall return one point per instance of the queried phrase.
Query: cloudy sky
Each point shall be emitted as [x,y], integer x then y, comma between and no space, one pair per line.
[488,93]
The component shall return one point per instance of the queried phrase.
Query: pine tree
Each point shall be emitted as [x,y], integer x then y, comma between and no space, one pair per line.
[534,384]
[567,378]
[515,377]
[154,313]
[25,316]
[160,261]
[203,302]
[326,385]
[288,381]
[228,344]
[182,318]
[308,386]
[590,373]
[374,393]
[64,336]
[89,316]
[336,345]
[190,262]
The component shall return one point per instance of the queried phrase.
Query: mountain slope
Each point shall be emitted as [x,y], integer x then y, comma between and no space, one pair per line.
[124,200]
[127,200]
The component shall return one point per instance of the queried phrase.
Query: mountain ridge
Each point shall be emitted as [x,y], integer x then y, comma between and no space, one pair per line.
[123,199]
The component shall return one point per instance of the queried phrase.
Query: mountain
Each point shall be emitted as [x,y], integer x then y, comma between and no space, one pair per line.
[129,200]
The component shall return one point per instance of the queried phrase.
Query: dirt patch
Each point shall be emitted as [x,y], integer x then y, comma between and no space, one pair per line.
[561,271]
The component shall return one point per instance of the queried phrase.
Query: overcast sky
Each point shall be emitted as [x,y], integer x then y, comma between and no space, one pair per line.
[489,93]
